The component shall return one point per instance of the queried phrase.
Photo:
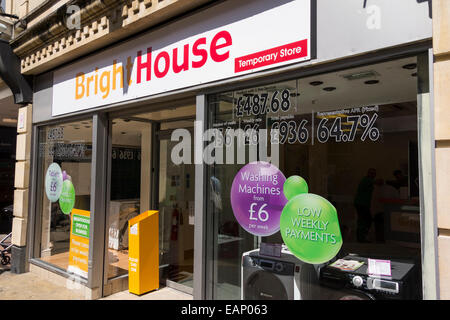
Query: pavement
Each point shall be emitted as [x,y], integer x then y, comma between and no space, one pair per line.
[161,294]
[29,286]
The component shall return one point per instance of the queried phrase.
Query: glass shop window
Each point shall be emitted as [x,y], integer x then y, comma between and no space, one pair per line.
[64,188]
[348,138]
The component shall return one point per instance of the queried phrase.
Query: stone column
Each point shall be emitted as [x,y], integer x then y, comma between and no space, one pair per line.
[441,51]
[21,184]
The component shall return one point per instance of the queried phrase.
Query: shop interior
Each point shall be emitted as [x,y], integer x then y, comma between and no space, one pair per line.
[373,181]
[392,158]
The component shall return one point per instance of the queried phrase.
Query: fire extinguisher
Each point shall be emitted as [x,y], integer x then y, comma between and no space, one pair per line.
[175,221]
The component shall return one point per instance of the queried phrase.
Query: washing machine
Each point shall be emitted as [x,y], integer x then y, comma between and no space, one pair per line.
[277,278]
[359,285]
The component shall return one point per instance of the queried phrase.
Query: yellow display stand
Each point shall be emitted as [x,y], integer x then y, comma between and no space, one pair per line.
[143,253]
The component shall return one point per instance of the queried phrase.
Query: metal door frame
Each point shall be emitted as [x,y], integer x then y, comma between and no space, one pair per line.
[156,142]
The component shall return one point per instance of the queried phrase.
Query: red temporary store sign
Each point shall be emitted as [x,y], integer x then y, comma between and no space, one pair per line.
[268,57]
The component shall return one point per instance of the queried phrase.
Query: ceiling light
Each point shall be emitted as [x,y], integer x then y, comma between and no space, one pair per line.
[349,129]
[332,116]
[410,66]
[372,82]
[316,83]
[360,75]
[329,89]
[9,120]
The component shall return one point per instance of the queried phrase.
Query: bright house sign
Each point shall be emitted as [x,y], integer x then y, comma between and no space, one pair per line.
[230,39]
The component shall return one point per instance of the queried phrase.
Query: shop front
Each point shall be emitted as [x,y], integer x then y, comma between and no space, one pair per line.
[222,121]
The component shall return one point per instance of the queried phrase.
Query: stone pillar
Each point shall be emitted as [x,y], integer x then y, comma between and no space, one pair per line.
[441,51]
[21,185]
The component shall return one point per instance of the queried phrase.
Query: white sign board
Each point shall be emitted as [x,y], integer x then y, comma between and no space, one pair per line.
[230,39]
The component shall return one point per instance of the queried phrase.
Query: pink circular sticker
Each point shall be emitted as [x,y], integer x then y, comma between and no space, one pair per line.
[257,198]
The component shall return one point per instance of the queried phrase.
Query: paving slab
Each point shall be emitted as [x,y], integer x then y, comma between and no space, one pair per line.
[161,294]
[29,286]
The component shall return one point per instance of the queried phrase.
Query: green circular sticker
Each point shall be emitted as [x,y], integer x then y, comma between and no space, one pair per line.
[67,197]
[293,186]
[310,228]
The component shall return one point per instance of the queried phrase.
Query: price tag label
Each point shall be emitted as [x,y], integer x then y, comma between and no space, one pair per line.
[134,229]
[379,267]
[270,249]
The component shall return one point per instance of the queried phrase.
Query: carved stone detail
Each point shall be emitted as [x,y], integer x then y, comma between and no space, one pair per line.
[100,19]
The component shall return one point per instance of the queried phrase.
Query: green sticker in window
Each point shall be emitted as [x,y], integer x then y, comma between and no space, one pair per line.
[80,226]
[309,226]
[67,197]
[293,186]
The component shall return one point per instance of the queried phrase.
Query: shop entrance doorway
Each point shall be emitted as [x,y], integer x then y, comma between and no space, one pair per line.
[144,177]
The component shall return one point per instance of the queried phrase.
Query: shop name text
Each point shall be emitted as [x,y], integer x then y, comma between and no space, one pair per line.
[193,55]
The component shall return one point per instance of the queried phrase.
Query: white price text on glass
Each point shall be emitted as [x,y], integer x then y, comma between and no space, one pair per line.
[339,129]
[289,131]
[260,104]
[336,132]
[126,154]
[262,214]
[56,134]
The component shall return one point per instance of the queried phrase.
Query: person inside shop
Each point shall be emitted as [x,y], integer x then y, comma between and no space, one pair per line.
[382,193]
[362,203]
[399,181]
